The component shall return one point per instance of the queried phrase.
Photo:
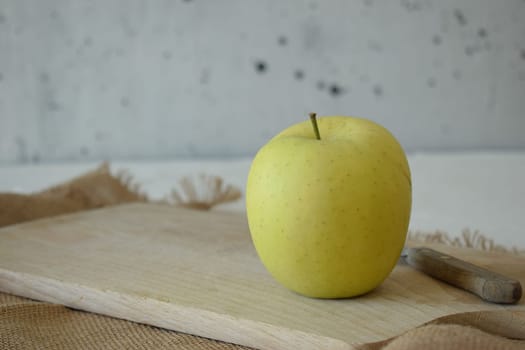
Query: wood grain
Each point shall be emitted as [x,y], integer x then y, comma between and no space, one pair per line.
[197,272]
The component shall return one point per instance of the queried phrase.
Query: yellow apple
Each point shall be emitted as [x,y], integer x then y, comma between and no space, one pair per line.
[328,217]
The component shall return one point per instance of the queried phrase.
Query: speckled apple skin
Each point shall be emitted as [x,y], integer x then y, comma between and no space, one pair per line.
[329,217]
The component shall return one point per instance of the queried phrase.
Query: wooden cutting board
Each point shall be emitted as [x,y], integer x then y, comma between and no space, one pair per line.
[197,272]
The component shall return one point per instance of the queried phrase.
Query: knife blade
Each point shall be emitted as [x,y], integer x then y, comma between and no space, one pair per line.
[488,285]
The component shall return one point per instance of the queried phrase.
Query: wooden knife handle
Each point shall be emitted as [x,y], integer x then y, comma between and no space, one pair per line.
[488,285]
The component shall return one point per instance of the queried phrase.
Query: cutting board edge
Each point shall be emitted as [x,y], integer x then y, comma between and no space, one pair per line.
[184,319]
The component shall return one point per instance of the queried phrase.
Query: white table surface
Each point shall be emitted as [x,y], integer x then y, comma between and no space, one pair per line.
[482,191]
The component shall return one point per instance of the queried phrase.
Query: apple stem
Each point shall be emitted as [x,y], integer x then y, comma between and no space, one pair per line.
[314,124]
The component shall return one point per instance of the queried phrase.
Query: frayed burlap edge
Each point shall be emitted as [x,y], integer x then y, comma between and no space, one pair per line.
[127,180]
[201,192]
[196,192]
[468,239]
[99,188]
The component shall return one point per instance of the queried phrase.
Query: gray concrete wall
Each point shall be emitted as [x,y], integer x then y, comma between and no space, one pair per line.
[156,79]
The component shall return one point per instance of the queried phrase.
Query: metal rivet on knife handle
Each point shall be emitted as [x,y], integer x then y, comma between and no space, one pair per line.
[488,285]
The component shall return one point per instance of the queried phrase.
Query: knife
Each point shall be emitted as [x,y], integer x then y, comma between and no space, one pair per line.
[488,285]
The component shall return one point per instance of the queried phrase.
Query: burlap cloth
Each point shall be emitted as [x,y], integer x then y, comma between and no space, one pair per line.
[29,324]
